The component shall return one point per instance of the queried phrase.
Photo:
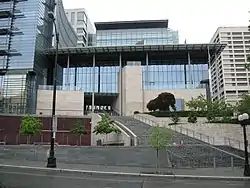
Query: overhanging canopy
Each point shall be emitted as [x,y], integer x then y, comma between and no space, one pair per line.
[82,56]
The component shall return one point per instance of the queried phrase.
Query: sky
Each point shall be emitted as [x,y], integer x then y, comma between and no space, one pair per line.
[196,20]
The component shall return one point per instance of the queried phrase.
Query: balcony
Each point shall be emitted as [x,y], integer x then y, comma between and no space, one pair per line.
[4,52]
[5,14]
[3,72]
[5,31]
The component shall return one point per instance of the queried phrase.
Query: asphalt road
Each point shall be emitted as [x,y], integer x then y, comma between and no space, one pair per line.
[30,178]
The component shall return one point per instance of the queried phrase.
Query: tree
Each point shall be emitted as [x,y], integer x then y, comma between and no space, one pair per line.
[162,102]
[211,108]
[160,138]
[197,104]
[79,129]
[243,106]
[175,118]
[30,126]
[105,127]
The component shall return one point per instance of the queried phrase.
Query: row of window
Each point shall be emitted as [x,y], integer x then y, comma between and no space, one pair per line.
[157,77]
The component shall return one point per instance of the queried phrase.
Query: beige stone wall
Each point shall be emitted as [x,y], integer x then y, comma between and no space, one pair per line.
[135,98]
[68,103]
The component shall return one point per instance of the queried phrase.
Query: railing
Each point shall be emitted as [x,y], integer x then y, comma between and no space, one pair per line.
[191,133]
[180,129]
[234,143]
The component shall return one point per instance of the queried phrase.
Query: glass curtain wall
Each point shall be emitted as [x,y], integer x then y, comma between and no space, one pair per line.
[30,36]
[136,37]
[174,76]
[106,79]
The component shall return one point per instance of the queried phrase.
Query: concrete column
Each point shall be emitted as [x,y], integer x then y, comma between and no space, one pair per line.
[93,85]
[75,78]
[120,84]
[190,72]
[146,82]
[209,87]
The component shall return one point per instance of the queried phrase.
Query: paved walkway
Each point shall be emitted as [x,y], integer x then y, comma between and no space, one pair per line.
[198,171]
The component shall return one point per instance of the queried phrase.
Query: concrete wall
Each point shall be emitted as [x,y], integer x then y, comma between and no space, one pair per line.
[68,103]
[135,98]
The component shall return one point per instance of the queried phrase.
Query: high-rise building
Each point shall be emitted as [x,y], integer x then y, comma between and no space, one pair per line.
[82,26]
[229,76]
[135,33]
[25,34]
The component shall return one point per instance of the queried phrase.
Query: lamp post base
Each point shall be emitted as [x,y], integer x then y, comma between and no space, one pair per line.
[247,170]
[51,162]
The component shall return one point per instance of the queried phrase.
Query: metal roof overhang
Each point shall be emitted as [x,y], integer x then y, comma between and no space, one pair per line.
[108,54]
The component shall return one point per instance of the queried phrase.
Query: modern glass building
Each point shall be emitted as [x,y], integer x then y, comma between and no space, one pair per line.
[25,33]
[159,75]
[121,34]
[169,75]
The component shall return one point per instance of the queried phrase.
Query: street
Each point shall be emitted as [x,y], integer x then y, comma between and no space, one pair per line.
[31,177]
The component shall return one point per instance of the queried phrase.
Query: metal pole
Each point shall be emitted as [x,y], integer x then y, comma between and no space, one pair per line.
[51,159]
[93,86]
[247,168]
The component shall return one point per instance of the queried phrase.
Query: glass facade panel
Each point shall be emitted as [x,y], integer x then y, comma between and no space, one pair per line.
[136,37]
[106,79]
[174,76]
[32,34]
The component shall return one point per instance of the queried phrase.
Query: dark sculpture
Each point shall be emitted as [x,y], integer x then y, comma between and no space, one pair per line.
[162,102]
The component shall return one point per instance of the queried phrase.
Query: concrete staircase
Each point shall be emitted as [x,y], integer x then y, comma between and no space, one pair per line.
[140,129]
[194,153]
[202,156]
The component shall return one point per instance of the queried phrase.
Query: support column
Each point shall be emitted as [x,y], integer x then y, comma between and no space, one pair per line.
[185,76]
[99,79]
[145,83]
[67,75]
[75,78]
[93,85]
[209,87]
[190,72]
[120,85]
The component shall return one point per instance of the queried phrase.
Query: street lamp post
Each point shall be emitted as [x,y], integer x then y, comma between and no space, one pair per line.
[243,121]
[51,159]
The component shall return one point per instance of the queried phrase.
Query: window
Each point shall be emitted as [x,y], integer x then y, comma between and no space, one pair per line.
[81,18]
[72,18]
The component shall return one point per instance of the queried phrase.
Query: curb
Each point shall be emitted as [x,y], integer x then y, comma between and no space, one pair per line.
[89,172]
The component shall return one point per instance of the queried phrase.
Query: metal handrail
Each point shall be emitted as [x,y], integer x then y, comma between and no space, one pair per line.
[209,139]
[230,140]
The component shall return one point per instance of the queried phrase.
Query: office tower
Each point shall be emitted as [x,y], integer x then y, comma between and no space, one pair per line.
[229,77]
[26,33]
[82,25]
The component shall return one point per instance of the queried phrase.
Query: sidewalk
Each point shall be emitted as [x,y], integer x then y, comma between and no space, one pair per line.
[198,171]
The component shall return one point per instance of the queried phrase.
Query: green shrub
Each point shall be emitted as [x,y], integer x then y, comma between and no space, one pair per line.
[181,113]
[175,118]
[192,118]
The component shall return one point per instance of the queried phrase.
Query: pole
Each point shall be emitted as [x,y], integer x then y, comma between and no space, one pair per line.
[247,168]
[51,159]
